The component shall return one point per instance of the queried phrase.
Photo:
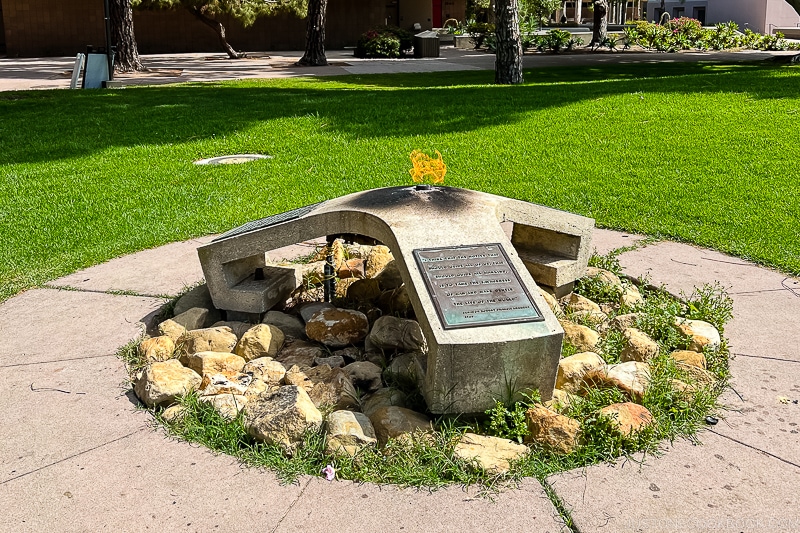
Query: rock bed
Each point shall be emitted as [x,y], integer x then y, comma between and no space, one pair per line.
[318,365]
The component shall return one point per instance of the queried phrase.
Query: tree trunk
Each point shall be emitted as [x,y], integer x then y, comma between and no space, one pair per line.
[600,26]
[315,35]
[126,57]
[508,55]
[219,29]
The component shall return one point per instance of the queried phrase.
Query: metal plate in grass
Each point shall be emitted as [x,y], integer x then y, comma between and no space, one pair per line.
[234,159]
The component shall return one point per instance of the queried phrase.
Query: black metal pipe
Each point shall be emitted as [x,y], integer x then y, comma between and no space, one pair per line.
[329,283]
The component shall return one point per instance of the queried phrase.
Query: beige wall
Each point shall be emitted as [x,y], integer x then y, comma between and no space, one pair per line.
[412,11]
[780,14]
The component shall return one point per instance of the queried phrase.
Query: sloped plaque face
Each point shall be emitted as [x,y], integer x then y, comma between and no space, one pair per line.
[475,285]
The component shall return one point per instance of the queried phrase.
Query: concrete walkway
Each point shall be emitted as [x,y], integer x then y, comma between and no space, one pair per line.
[78,455]
[54,73]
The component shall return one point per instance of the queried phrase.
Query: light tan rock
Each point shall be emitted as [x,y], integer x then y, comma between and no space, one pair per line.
[689,357]
[595,317]
[224,363]
[560,401]
[348,433]
[575,302]
[265,369]
[628,320]
[337,327]
[392,333]
[352,268]
[581,337]
[551,302]
[572,369]
[258,387]
[262,340]
[174,413]
[291,326]
[632,377]
[384,397]
[214,384]
[219,339]
[555,431]
[158,348]
[702,334]
[378,258]
[392,421]
[282,417]
[343,286]
[162,383]
[629,417]
[605,276]
[332,387]
[298,378]
[638,346]
[171,329]
[492,454]
[227,405]
[630,296]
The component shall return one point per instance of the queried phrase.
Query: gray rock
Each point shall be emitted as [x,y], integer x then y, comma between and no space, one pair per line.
[385,397]
[390,277]
[194,318]
[392,422]
[404,368]
[301,353]
[348,433]
[282,417]
[309,309]
[238,328]
[365,375]
[392,333]
[333,361]
[197,297]
[288,324]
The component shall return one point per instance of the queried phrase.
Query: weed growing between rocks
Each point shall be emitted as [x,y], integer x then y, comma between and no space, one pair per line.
[639,366]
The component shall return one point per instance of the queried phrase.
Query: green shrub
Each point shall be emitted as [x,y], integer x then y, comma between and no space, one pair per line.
[386,41]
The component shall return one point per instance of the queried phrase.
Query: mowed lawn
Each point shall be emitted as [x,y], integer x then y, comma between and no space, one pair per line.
[702,153]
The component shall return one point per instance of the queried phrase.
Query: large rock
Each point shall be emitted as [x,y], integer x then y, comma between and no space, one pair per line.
[352,268]
[365,375]
[332,387]
[170,328]
[224,363]
[228,406]
[551,302]
[492,454]
[390,277]
[552,430]
[308,310]
[638,346]
[606,277]
[301,353]
[392,333]
[214,384]
[621,322]
[291,326]
[282,417]
[377,259]
[219,339]
[157,349]
[348,433]
[702,334]
[581,337]
[162,383]
[197,297]
[561,401]
[194,318]
[572,369]
[405,368]
[364,290]
[629,417]
[689,358]
[337,327]
[395,302]
[632,378]
[385,397]
[576,302]
[262,340]
[239,328]
[391,422]
[630,296]
[333,361]
[265,369]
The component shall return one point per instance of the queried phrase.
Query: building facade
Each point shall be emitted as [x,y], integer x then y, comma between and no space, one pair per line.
[31,28]
[762,16]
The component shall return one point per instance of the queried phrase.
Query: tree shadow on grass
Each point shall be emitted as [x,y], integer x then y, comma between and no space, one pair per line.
[46,126]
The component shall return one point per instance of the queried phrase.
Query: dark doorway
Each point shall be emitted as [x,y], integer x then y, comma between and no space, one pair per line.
[700,14]
[437,13]
[2,32]
[393,13]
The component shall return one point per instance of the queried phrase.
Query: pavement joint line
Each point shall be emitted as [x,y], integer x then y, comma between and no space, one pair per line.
[737,441]
[765,357]
[112,292]
[291,505]
[72,456]
[559,506]
[58,360]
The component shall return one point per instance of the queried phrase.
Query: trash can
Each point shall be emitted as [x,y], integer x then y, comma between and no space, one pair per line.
[96,70]
[426,44]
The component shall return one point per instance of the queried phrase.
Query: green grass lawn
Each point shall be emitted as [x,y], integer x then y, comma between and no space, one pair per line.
[696,152]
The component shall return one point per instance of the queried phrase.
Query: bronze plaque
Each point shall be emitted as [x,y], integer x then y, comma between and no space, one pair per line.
[475,285]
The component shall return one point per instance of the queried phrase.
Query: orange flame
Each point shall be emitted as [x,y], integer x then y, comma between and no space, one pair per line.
[427,166]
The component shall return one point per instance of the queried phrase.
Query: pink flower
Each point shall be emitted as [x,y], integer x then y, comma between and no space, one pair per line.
[329,472]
